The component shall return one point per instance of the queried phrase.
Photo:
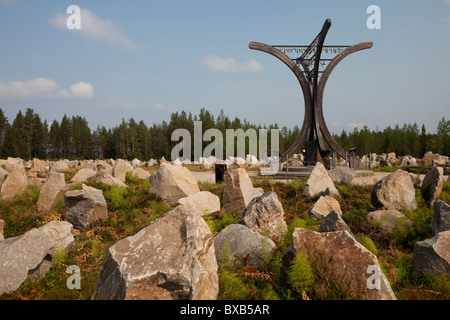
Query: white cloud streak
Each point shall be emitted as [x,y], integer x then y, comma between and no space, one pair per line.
[97,29]
[230,65]
[116,102]
[43,88]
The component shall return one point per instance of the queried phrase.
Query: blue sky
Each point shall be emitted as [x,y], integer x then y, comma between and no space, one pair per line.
[146,59]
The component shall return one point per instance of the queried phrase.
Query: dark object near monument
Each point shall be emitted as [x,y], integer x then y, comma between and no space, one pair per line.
[308,68]
[220,171]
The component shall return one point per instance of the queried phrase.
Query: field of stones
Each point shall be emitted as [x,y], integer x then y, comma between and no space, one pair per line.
[118,229]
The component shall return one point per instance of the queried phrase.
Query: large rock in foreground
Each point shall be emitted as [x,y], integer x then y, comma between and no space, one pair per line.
[237,243]
[172,258]
[345,259]
[85,206]
[319,182]
[238,191]
[395,192]
[172,183]
[15,183]
[433,255]
[22,255]
[265,214]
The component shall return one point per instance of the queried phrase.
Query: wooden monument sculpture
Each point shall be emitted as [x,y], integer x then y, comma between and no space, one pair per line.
[312,79]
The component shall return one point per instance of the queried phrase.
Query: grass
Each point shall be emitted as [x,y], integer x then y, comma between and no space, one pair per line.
[133,208]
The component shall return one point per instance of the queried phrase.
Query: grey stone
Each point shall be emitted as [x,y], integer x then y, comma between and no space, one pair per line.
[395,192]
[2,225]
[265,213]
[432,184]
[238,191]
[53,189]
[319,182]
[121,167]
[441,217]
[62,234]
[172,183]
[85,206]
[15,183]
[237,243]
[84,175]
[388,218]
[324,206]
[172,258]
[334,222]
[342,174]
[22,255]
[203,202]
[432,255]
[344,258]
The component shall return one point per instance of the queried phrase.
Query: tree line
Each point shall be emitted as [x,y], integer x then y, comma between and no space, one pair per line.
[27,137]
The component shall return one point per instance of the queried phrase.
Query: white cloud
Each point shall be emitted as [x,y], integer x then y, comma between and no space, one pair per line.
[43,88]
[353,125]
[159,107]
[97,29]
[230,65]
[116,102]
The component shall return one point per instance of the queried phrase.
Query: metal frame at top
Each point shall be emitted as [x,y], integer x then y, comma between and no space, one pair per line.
[313,72]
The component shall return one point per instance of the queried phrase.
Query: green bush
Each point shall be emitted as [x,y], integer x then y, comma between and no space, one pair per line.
[131,178]
[301,275]
[116,198]
[367,243]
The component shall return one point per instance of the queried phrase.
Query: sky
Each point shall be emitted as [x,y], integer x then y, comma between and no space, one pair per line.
[147,59]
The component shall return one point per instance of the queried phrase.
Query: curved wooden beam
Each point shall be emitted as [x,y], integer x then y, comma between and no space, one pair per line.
[305,88]
[317,124]
[321,87]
